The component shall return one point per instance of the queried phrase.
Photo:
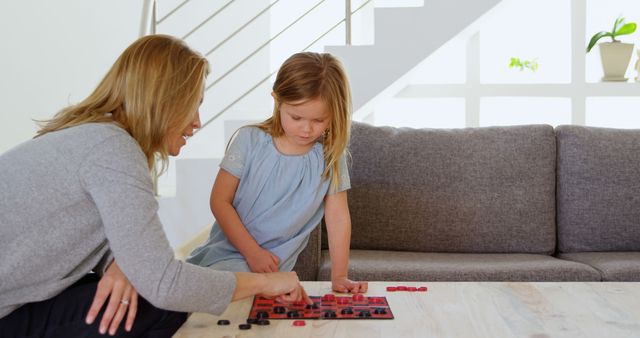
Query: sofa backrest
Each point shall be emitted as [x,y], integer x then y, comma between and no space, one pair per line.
[453,190]
[598,194]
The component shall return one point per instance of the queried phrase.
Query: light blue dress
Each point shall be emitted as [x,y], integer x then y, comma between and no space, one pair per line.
[280,200]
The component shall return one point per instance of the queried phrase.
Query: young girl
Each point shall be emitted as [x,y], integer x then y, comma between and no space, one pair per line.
[279,178]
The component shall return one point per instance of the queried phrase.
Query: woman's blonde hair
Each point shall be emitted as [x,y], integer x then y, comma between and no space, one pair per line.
[307,76]
[153,88]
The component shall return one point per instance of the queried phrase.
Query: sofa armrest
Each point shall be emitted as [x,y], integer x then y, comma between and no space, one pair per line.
[308,261]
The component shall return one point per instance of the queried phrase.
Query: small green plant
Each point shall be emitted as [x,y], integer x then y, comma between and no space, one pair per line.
[522,65]
[619,28]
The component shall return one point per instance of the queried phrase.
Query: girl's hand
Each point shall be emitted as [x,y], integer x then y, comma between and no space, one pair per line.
[123,299]
[263,261]
[285,287]
[344,285]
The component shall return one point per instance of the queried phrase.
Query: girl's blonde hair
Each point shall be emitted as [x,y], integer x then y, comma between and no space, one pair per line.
[153,88]
[307,76]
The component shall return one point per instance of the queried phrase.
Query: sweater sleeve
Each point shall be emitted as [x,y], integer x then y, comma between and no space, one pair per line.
[116,178]
[104,263]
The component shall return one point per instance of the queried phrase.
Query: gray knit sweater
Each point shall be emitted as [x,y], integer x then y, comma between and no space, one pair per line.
[72,200]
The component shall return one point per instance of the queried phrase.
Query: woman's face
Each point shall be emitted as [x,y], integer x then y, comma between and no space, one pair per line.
[176,139]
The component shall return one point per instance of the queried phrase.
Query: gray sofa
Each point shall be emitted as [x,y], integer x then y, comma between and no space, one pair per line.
[518,203]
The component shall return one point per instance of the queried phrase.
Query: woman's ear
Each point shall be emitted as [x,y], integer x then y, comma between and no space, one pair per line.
[273,95]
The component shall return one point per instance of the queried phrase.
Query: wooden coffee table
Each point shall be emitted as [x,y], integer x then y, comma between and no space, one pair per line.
[459,309]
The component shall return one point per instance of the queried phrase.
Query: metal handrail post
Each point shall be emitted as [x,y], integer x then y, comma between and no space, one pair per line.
[347,22]
[154,15]
[144,20]
[148,21]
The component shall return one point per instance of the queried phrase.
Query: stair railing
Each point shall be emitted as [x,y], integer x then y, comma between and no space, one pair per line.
[149,23]
[346,20]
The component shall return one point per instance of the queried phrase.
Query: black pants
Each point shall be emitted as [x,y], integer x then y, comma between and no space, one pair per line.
[64,316]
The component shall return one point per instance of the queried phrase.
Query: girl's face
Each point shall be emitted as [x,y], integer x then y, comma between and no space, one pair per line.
[303,122]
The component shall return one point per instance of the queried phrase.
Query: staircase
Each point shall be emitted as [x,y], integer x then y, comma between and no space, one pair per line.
[404,37]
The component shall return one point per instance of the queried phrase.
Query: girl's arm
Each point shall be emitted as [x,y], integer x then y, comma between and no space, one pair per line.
[338,222]
[222,195]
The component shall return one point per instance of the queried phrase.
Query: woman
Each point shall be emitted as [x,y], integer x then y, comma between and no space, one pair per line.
[78,198]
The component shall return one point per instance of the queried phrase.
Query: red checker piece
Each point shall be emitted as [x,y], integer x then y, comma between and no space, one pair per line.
[328,297]
[401,288]
[391,288]
[358,297]
[412,288]
[343,300]
[422,288]
[299,323]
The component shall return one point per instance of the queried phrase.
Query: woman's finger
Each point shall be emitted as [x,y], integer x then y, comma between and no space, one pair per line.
[291,297]
[102,293]
[305,296]
[114,304]
[125,302]
[133,310]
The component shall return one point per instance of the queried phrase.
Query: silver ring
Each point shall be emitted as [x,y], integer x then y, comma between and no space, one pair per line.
[124,302]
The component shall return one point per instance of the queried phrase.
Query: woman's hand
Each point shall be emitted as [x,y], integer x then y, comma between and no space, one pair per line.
[344,285]
[262,260]
[285,287]
[123,299]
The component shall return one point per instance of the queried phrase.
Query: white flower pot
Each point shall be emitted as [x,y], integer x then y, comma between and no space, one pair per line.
[615,57]
[638,67]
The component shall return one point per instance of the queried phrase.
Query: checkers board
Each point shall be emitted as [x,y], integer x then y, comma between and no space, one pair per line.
[328,306]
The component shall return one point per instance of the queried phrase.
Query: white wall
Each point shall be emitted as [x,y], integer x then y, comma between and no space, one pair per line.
[54,53]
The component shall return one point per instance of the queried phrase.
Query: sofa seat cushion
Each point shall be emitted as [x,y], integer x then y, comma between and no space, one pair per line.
[614,266]
[379,265]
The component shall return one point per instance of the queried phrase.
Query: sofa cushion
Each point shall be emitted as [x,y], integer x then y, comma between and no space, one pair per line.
[474,190]
[598,189]
[613,266]
[381,265]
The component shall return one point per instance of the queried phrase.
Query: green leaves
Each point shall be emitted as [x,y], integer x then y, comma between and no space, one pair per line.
[619,21]
[522,65]
[597,37]
[625,29]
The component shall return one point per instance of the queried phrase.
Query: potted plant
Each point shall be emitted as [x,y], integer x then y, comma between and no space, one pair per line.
[615,55]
